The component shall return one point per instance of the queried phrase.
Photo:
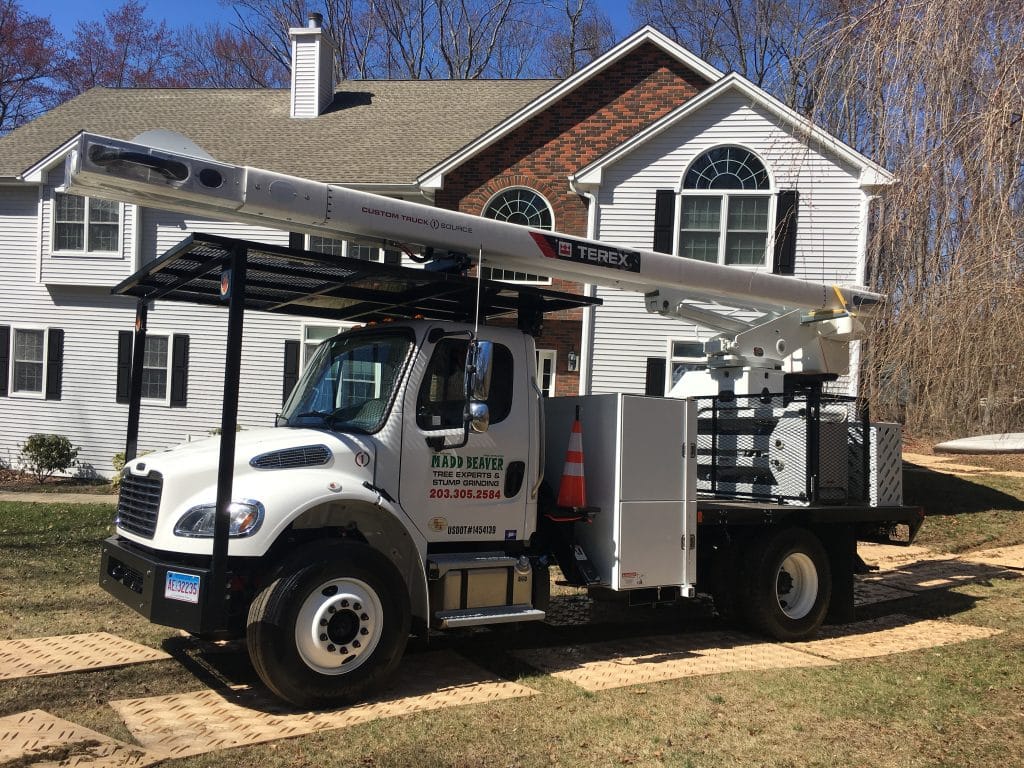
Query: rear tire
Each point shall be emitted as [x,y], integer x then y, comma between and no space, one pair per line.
[326,633]
[788,585]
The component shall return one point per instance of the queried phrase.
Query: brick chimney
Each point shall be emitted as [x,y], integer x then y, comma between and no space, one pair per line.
[312,68]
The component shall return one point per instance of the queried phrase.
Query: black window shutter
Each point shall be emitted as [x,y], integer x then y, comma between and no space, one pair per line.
[297,240]
[664,217]
[5,358]
[392,256]
[654,383]
[124,365]
[179,371]
[291,368]
[54,363]
[784,258]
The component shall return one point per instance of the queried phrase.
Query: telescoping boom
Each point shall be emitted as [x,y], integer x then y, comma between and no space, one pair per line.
[173,180]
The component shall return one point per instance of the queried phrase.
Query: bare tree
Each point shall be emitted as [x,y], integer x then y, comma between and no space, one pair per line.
[581,32]
[936,92]
[773,43]
[28,52]
[217,56]
[125,50]
[469,33]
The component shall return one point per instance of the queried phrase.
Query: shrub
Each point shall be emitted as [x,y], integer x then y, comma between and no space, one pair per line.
[42,455]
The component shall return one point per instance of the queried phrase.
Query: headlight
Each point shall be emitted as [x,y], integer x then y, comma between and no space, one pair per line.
[245,518]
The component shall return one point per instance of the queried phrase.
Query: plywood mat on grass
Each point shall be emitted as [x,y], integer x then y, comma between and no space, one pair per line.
[186,724]
[601,666]
[70,653]
[39,739]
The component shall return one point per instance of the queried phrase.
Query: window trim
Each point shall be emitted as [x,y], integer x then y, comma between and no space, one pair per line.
[541,354]
[671,358]
[541,280]
[345,245]
[305,344]
[85,253]
[166,399]
[22,393]
[723,223]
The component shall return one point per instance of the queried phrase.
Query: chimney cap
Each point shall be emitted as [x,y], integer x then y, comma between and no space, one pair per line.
[315,20]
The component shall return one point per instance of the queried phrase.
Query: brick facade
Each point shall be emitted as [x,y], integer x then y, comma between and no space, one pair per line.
[585,124]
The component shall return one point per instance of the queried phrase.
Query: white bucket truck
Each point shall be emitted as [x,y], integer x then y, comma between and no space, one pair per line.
[403,486]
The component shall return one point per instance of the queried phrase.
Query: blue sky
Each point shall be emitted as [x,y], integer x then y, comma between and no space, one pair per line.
[65,13]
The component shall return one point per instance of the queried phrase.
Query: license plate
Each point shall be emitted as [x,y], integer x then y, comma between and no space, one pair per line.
[181,586]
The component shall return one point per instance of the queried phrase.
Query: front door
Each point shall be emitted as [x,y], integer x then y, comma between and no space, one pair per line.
[476,492]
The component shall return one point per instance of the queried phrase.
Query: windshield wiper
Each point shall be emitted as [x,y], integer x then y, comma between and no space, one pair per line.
[330,419]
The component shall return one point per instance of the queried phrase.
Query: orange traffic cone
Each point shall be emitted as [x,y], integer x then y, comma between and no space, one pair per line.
[573,490]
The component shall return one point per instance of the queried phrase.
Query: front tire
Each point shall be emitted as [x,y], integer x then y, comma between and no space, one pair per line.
[325,633]
[788,585]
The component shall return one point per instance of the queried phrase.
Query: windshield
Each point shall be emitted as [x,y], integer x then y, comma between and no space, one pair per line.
[350,382]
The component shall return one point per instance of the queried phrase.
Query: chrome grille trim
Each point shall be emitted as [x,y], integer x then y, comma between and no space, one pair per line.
[293,458]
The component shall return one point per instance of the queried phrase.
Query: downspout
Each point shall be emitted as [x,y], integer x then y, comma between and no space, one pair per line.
[589,319]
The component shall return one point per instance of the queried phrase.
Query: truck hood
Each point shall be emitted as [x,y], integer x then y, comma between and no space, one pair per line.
[283,469]
[272,447]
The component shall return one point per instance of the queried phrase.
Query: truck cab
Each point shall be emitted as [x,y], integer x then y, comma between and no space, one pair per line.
[380,450]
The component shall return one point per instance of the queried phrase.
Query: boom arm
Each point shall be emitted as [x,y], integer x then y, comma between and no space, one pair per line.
[136,173]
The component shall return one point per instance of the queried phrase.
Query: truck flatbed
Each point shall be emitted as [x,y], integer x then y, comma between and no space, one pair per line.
[712,512]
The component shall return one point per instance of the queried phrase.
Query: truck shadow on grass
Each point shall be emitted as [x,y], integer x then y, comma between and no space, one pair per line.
[946,494]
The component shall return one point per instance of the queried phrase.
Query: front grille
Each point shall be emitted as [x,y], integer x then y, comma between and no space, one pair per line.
[292,458]
[139,503]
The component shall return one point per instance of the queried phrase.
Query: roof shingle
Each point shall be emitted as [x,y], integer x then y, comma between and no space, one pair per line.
[374,132]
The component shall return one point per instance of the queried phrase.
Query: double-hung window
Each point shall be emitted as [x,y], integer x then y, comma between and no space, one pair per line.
[155,367]
[28,361]
[726,207]
[86,225]
[31,362]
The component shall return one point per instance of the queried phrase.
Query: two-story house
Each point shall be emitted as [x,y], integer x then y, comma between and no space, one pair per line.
[648,146]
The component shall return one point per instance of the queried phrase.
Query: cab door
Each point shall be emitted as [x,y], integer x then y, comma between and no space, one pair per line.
[477,492]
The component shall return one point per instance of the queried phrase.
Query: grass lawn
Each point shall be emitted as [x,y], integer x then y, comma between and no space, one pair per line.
[960,705]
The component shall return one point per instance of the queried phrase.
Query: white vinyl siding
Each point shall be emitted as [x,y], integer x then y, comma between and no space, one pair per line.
[87,412]
[107,252]
[625,335]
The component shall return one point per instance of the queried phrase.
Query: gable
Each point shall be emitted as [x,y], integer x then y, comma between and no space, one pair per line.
[699,71]
[597,116]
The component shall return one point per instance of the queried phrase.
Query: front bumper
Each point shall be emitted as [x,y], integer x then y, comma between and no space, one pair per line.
[139,579]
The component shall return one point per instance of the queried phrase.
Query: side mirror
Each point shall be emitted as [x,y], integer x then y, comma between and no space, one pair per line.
[479,416]
[478,370]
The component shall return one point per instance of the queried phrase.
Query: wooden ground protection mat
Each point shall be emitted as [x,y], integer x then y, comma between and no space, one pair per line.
[70,653]
[888,635]
[37,738]
[601,666]
[204,721]
[1005,557]
[614,665]
[938,572]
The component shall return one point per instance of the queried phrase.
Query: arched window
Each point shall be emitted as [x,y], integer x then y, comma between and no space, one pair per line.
[519,205]
[726,206]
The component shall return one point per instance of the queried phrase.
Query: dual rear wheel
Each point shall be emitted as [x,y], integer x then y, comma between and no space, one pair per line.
[780,584]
